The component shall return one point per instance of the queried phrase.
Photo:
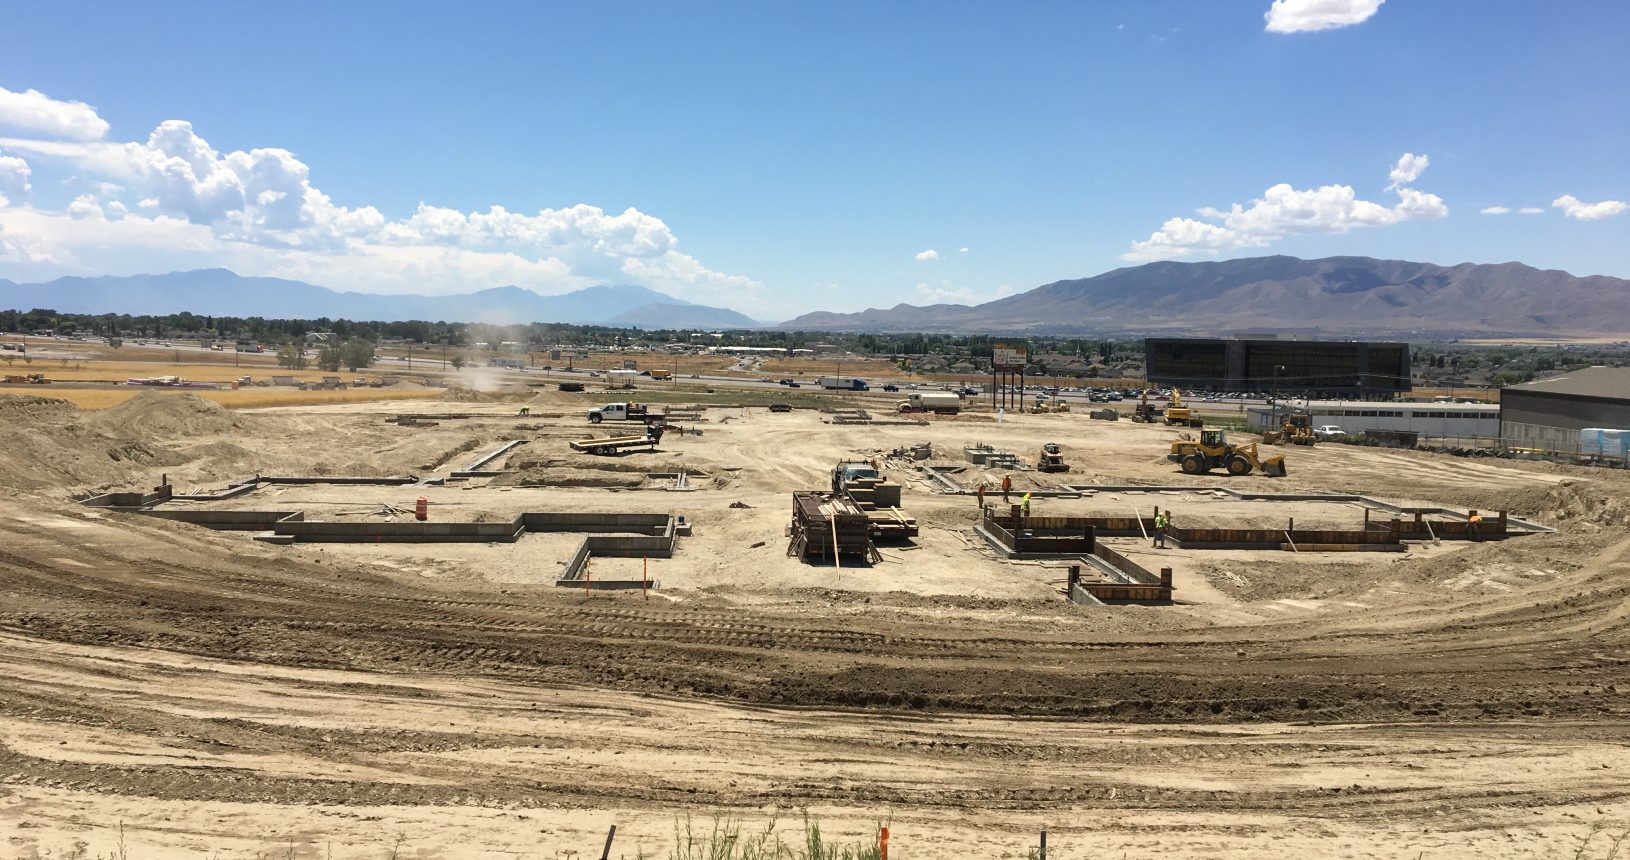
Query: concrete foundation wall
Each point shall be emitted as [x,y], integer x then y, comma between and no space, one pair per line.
[597,522]
[363,480]
[229,520]
[158,496]
[414,532]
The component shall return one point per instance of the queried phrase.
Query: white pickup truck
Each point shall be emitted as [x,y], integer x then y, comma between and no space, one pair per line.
[619,412]
[1327,432]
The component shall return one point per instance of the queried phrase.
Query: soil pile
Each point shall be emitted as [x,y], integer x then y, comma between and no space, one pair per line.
[459,394]
[153,414]
[27,407]
[1583,504]
[51,445]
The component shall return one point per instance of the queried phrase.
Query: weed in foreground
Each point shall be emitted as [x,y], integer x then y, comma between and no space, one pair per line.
[726,839]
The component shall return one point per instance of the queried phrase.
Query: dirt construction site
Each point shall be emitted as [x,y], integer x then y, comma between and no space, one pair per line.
[229,634]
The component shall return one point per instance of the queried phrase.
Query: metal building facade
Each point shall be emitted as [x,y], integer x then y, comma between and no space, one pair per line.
[1349,369]
[1547,415]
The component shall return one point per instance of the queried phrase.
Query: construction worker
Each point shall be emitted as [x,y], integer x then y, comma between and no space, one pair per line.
[1474,524]
[1162,522]
[1026,506]
[1007,486]
[525,411]
[981,494]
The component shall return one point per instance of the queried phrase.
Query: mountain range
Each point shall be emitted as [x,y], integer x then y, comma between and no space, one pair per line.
[220,292]
[1334,295]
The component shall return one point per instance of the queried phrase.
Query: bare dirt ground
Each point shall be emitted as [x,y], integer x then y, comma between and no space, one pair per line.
[223,697]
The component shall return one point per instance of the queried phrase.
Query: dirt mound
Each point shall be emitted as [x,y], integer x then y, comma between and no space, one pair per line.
[1585,504]
[158,414]
[459,394]
[27,407]
[574,478]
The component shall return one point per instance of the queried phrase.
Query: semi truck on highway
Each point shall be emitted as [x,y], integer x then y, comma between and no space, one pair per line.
[843,383]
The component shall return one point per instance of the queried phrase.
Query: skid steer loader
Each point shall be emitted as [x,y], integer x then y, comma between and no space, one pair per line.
[1213,450]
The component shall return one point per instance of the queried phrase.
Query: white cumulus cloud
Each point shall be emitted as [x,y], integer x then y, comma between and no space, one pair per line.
[1408,169]
[1579,210]
[929,254]
[14,174]
[927,294]
[1283,211]
[945,293]
[85,206]
[1297,16]
[962,250]
[1531,210]
[1494,210]
[34,112]
[259,212]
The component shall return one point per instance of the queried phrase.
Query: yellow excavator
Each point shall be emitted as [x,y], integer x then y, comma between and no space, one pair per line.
[1174,414]
[1213,450]
[1179,414]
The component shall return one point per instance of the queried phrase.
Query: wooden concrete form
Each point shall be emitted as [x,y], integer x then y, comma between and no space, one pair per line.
[1038,536]
[1119,580]
[880,499]
[827,526]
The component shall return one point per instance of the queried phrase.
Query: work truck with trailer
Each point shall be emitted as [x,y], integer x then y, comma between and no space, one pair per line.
[621,412]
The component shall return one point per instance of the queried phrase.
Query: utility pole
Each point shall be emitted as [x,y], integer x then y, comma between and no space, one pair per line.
[1276,369]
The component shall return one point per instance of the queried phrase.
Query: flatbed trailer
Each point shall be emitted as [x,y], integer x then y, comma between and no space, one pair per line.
[608,445]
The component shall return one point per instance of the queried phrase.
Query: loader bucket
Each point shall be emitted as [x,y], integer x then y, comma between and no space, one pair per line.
[1274,467]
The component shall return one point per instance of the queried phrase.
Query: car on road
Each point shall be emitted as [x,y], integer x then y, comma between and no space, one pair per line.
[891,388]
[791,384]
[1326,432]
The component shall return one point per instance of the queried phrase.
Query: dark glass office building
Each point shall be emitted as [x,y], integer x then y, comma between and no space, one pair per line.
[1347,369]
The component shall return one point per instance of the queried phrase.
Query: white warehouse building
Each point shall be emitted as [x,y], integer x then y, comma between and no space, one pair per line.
[1459,420]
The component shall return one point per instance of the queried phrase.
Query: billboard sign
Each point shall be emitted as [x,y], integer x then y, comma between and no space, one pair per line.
[1007,357]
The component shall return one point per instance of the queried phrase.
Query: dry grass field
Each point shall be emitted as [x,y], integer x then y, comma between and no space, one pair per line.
[117,371]
[246,398]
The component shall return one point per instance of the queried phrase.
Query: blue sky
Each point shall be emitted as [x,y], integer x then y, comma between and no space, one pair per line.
[781,158]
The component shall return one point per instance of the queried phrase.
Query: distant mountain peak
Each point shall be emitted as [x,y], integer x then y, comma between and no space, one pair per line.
[1338,295]
[222,292]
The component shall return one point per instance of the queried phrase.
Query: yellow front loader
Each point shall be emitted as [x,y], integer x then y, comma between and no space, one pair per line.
[1298,429]
[1212,450]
